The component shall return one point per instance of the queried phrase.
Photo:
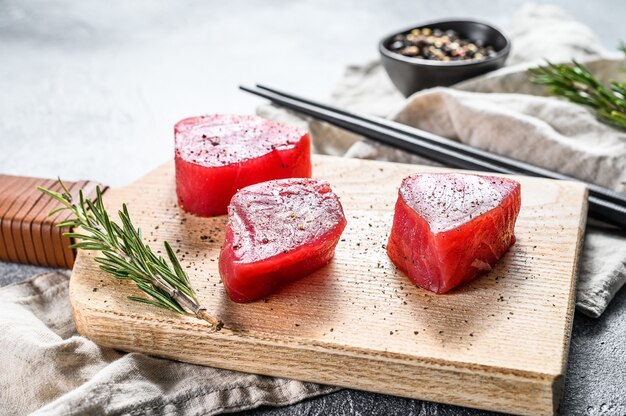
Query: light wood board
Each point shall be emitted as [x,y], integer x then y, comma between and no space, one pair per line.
[498,343]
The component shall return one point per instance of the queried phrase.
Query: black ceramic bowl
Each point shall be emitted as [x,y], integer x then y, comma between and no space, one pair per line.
[412,74]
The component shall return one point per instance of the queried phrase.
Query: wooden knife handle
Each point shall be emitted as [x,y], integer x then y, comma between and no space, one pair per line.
[27,234]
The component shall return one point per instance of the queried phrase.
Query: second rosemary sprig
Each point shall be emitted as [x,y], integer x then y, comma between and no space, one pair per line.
[576,83]
[125,256]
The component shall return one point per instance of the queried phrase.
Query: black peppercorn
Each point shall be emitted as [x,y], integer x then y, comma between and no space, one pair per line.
[435,44]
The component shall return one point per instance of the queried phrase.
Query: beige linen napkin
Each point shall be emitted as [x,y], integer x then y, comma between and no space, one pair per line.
[48,369]
[503,112]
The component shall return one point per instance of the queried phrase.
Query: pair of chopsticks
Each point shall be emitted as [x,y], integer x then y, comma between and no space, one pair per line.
[604,204]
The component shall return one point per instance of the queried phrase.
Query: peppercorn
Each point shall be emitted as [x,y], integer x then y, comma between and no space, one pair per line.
[435,44]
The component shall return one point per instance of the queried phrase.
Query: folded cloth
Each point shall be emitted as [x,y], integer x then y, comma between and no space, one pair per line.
[505,113]
[48,369]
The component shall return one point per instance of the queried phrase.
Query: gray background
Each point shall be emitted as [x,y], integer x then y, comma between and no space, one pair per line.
[92,89]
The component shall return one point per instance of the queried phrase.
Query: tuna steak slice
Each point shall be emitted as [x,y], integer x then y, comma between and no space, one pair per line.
[278,232]
[218,154]
[449,227]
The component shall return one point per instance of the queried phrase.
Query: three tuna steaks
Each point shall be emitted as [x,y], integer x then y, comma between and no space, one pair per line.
[282,225]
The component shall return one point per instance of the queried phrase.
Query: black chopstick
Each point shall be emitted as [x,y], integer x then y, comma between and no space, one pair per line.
[604,204]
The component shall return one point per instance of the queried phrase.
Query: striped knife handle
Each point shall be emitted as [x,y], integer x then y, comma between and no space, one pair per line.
[27,234]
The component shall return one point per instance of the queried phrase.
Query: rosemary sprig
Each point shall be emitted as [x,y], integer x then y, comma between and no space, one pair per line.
[125,256]
[577,84]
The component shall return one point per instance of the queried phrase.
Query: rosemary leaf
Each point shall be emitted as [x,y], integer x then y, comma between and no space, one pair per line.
[176,264]
[148,301]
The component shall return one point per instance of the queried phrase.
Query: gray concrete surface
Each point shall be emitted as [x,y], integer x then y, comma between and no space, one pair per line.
[92,89]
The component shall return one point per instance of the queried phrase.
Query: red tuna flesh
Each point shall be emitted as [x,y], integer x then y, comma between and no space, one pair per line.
[218,154]
[449,227]
[278,232]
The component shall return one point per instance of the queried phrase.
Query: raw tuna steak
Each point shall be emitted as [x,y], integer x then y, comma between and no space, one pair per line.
[217,155]
[450,227]
[278,231]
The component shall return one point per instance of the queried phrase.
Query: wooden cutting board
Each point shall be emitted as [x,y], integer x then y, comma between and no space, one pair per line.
[498,343]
